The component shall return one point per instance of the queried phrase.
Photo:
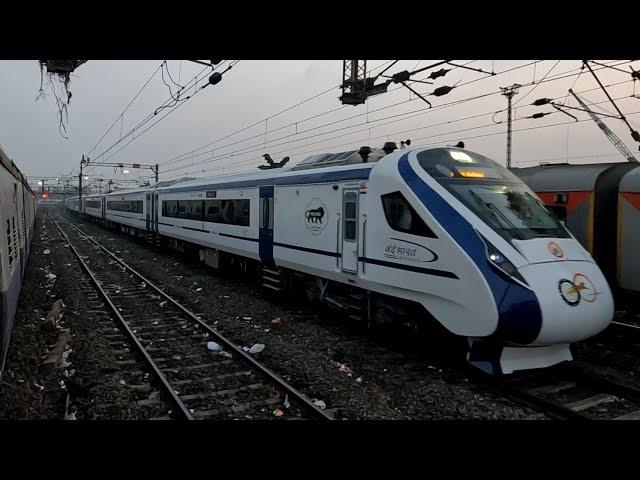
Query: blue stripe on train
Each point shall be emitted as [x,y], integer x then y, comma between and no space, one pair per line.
[520,317]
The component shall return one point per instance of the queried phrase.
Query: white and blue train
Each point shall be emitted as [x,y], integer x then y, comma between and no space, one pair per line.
[440,235]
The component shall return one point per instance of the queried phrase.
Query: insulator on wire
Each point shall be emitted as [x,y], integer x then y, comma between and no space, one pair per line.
[538,115]
[542,101]
[401,77]
[635,135]
[439,73]
[440,91]
[215,78]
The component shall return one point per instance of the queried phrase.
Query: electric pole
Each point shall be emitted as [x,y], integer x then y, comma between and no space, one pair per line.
[80,186]
[509,92]
[83,162]
[354,82]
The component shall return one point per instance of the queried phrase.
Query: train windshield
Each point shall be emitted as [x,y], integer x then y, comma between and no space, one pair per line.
[493,193]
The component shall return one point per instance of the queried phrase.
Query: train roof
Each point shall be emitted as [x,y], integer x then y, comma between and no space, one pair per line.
[566,177]
[15,171]
[276,176]
[631,181]
[319,168]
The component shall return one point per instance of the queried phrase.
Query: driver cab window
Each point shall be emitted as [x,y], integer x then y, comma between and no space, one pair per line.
[402,217]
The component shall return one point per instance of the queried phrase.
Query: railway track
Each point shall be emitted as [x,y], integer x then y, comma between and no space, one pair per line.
[200,383]
[622,337]
[572,392]
[561,392]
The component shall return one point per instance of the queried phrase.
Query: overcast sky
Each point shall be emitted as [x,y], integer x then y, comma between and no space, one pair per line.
[254,90]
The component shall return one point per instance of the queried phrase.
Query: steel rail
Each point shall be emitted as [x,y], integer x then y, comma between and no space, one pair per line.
[182,408]
[296,397]
[519,391]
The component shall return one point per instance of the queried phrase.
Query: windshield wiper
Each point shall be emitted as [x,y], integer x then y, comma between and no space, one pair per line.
[497,214]
[506,220]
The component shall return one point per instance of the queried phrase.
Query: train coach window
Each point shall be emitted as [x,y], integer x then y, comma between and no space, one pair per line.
[131,206]
[402,217]
[561,198]
[194,210]
[230,212]
[92,204]
[169,208]
[188,209]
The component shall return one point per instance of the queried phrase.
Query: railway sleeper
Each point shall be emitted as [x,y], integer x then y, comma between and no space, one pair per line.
[200,366]
[172,324]
[182,357]
[235,409]
[222,393]
[216,378]
[158,329]
[590,402]
[181,341]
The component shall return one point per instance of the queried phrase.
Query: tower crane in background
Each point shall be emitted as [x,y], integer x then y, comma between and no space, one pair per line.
[612,137]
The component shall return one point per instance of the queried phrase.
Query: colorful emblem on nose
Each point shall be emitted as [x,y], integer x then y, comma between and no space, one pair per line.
[585,286]
[555,250]
[572,291]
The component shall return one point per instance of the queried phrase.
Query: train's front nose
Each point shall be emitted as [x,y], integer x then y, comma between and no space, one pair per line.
[574,297]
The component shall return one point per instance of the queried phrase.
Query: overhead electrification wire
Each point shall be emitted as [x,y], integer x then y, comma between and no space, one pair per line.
[332,123]
[288,152]
[126,108]
[198,90]
[538,127]
[150,116]
[543,80]
[536,85]
[260,122]
[185,157]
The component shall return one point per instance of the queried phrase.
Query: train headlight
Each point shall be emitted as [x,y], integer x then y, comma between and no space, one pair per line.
[496,258]
[499,261]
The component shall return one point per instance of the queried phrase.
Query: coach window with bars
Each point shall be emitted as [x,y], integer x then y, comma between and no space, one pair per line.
[229,212]
[10,243]
[131,206]
[402,217]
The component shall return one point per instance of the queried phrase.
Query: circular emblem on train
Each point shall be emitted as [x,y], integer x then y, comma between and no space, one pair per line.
[555,250]
[568,292]
[585,286]
[315,216]
[581,287]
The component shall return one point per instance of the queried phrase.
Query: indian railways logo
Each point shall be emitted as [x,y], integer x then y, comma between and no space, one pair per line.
[555,250]
[572,291]
[316,216]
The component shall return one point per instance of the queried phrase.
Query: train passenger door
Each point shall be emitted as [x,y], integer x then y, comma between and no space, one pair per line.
[350,200]
[149,209]
[265,248]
